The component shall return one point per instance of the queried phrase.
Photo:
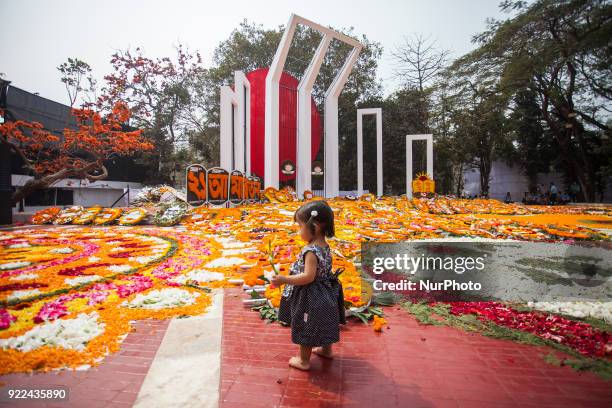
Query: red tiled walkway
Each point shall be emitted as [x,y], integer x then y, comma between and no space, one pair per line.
[408,365]
[114,383]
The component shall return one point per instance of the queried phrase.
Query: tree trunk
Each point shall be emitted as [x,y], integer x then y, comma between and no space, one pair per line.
[6,209]
[45,181]
[484,167]
[460,180]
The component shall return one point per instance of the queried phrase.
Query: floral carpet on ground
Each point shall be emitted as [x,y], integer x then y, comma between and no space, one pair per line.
[68,294]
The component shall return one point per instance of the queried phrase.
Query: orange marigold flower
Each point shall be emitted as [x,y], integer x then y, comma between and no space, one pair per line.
[379,322]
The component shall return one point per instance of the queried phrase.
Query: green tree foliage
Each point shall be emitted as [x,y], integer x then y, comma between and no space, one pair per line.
[561,51]
[534,148]
[165,96]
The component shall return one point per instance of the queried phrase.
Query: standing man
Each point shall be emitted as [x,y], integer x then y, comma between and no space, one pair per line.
[574,190]
[553,193]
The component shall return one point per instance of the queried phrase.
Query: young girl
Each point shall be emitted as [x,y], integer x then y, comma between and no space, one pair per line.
[312,301]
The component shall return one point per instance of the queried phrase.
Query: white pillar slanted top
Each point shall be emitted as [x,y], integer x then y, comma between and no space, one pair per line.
[379,169]
[237,101]
[332,168]
[271,165]
[409,177]
[303,179]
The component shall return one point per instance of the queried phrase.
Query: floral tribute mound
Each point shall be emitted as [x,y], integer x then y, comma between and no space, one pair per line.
[68,294]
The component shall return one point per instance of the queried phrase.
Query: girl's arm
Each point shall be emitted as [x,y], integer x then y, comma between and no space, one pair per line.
[304,278]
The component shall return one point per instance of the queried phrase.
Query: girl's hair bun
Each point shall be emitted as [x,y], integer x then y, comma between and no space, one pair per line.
[323,213]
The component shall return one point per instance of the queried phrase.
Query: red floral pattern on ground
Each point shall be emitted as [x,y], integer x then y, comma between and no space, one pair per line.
[580,336]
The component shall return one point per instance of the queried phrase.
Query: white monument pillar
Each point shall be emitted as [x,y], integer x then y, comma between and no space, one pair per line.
[235,120]
[304,120]
[332,169]
[227,127]
[379,169]
[409,139]
[242,90]
[271,165]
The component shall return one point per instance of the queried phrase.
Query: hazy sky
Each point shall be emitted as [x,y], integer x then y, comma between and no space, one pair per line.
[40,35]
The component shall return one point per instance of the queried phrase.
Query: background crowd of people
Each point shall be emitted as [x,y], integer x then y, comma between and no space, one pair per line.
[542,196]
[551,196]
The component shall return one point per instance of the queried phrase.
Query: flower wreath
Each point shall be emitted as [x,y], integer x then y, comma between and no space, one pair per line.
[87,216]
[67,215]
[45,216]
[107,216]
[132,216]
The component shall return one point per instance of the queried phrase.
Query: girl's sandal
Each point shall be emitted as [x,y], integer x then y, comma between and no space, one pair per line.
[319,351]
[296,362]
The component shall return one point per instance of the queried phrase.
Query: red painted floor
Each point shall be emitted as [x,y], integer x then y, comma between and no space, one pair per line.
[114,383]
[408,365]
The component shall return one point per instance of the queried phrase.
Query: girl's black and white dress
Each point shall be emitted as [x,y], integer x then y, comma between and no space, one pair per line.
[314,311]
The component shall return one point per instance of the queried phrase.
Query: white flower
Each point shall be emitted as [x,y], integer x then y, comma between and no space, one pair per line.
[117,249]
[224,262]
[20,245]
[161,299]
[142,259]
[21,294]
[225,240]
[81,279]
[119,268]
[199,275]
[65,250]
[234,244]
[269,274]
[25,276]
[238,251]
[93,259]
[600,310]
[66,333]
[14,265]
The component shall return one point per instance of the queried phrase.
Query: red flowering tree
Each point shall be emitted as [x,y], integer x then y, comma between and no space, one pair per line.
[166,98]
[79,153]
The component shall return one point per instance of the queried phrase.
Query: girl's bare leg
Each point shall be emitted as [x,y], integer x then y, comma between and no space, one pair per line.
[301,362]
[325,351]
